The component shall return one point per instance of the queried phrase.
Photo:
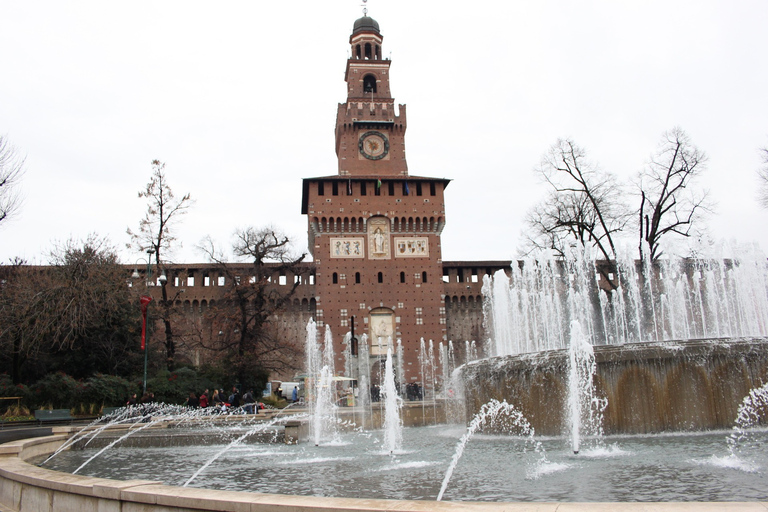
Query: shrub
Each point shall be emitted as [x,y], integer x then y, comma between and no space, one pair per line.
[107,390]
[174,387]
[57,390]
[8,388]
[16,413]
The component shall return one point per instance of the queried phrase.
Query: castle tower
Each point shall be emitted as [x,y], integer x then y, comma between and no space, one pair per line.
[374,230]
[370,135]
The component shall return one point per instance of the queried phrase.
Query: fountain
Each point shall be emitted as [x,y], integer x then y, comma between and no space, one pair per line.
[569,363]
[676,343]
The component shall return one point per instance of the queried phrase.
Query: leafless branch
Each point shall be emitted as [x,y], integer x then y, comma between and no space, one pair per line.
[11,172]
[670,202]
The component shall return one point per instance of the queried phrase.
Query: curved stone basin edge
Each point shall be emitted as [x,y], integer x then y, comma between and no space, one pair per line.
[25,487]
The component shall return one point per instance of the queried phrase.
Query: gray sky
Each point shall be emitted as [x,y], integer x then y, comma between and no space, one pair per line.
[239,99]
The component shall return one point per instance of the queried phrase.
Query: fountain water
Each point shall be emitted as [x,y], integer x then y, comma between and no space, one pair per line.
[393,426]
[626,309]
[364,381]
[625,302]
[489,412]
[753,411]
[400,376]
[323,403]
[585,409]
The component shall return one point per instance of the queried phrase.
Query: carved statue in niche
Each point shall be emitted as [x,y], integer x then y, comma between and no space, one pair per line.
[378,238]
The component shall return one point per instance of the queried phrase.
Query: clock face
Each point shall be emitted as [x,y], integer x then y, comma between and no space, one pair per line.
[373,145]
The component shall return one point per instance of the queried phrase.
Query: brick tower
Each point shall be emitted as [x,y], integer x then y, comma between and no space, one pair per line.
[374,230]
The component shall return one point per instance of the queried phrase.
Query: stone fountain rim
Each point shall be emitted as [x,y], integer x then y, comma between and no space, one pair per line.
[612,352]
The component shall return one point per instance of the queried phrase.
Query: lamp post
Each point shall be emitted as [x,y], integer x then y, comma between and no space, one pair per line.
[145,309]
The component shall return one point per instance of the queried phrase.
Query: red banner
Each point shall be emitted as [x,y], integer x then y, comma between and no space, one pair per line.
[145,300]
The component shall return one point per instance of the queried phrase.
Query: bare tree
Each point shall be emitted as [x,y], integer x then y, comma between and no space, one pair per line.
[156,233]
[762,175]
[584,204]
[79,307]
[246,318]
[670,202]
[11,172]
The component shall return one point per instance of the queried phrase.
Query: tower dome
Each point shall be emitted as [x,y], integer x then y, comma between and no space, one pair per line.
[365,24]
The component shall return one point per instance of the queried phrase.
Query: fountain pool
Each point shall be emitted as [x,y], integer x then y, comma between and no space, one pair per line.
[660,467]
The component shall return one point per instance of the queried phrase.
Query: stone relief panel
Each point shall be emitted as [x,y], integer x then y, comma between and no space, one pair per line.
[378,238]
[411,247]
[382,328]
[347,247]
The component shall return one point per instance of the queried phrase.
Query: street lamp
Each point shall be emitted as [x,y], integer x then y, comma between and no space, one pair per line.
[150,252]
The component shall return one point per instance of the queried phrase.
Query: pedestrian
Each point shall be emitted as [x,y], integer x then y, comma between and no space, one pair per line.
[234,398]
[295,395]
[192,401]
[204,399]
[248,401]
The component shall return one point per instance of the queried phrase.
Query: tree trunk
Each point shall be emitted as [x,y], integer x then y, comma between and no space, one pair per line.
[170,348]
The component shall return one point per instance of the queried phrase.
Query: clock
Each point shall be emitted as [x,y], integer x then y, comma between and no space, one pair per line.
[373,145]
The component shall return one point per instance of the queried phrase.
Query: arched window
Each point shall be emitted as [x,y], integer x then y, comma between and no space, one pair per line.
[335,278]
[357,277]
[402,277]
[358,52]
[424,277]
[368,51]
[381,277]
[369,83]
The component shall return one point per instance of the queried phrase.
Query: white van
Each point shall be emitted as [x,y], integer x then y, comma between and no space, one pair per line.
[286,388]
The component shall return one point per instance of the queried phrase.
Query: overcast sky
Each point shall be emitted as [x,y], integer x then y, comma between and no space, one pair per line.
[239,100]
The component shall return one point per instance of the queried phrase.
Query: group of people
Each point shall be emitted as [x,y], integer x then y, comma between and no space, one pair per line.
[413,391]
[219,400]
[147,398]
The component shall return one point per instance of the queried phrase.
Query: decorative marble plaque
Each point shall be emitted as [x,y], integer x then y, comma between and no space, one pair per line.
[348,247]
[381,324]
[411,247]
[378,238]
